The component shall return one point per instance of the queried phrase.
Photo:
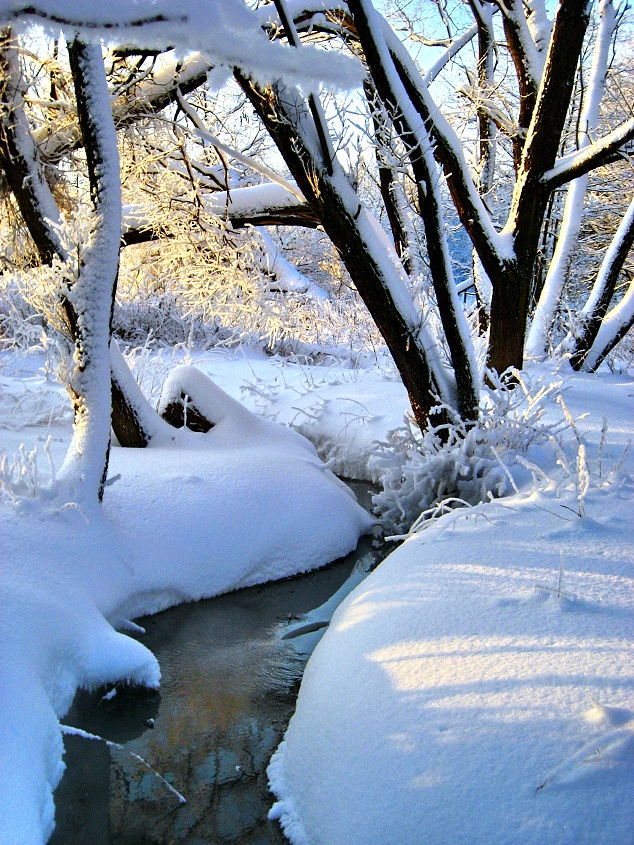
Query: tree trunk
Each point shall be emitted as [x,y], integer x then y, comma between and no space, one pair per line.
[91,294]
[346,222]
[23,170]
[512,288]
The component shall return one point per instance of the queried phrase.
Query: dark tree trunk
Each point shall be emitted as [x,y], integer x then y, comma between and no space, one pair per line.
[512,287]
[430,211]
[323,192]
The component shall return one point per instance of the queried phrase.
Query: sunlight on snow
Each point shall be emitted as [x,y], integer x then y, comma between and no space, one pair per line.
[495,672]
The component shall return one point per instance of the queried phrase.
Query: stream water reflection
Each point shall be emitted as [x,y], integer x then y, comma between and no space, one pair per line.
[228,690]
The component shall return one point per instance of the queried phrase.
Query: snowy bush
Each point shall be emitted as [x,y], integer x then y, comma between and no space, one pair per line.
[20,323]
[424,474]
[20,475]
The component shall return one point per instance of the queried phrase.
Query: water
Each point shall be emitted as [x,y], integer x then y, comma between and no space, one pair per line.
[228,690]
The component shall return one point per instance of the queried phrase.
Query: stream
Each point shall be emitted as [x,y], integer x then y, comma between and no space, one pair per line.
[231,668]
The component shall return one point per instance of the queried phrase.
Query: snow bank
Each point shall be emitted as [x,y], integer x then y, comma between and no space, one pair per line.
[196,516]
[470,690]
[342,410]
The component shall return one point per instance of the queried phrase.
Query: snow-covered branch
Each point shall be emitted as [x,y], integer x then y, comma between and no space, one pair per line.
[614,326]
[577,164]
[227,32]
[597,331]
[203,133]
[452,50]
[254,205]
[150,95]
[527,56]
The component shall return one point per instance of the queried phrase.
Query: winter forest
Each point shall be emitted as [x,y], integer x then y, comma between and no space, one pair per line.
[316,401]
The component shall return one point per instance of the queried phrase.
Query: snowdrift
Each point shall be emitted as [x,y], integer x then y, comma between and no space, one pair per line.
[478,686]
[202,514]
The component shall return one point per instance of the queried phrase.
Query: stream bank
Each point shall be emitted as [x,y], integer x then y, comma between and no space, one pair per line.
[228,690]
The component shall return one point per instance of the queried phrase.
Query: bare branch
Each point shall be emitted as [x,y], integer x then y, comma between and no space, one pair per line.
[203,133]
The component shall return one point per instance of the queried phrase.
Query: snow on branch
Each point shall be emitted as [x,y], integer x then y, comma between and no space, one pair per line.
[528,55]
[618,321]
[254,205]
[449,53]
[597,154]
[225,31]
[19,156]
[204,135]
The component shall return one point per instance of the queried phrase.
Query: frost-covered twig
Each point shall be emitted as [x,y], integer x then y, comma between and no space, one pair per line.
[67,730]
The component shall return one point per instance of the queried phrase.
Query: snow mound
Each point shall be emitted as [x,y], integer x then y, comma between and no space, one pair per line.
[190,517]
[478,686]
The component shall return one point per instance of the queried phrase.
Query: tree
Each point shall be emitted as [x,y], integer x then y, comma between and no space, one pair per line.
[545,69]
[88,295]
[520,139]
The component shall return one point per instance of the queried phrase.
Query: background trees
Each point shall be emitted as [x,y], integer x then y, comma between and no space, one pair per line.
[509,175]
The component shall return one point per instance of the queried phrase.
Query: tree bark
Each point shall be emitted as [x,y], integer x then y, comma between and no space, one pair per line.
[329,198]
[512,288]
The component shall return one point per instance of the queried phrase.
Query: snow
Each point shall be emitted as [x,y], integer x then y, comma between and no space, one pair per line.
[476,687]
[248,502]
[470,690]
[226,32]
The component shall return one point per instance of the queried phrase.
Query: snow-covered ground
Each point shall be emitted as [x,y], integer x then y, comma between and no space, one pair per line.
[247,502]
[475,688]
[479,685]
